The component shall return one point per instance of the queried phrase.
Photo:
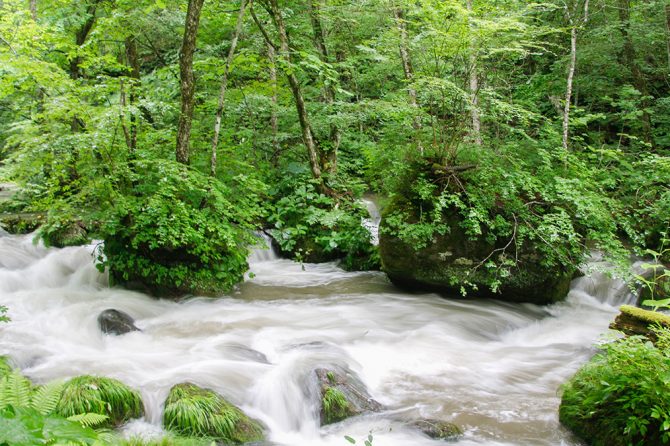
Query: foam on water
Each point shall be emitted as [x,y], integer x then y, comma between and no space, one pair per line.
[494,368]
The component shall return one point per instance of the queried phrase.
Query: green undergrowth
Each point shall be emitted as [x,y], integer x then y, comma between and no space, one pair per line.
[196,412]
[105,396]
[622,396]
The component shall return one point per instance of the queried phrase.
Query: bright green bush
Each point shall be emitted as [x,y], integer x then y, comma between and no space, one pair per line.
[313,227]
[172,230]
[99,395]
[622,396]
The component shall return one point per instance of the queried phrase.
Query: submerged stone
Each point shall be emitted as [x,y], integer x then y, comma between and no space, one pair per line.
[116,322]
[193,411]
[438,429]
[342,395]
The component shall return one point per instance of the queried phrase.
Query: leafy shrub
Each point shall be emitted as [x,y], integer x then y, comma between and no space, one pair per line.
[193,411]
[622,396]
[98,395]
[312,227]
[174,230]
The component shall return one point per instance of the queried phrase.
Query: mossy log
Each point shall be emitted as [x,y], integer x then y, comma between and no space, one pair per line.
[636,321]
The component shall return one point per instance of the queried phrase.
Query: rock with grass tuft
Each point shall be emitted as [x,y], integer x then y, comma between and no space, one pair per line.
[438,429]
[105,396]
[193,411]
[342,395]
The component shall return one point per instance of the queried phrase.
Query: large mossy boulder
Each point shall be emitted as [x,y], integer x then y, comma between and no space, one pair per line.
[636,321]
[193,411]
[105,396]
[455,261]
[342,395]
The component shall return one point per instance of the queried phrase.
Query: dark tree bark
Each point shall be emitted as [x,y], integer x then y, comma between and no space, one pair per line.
[80,38]
[274,125]
[187,78]
[474,85]
[33,9]
[224,84]
[308,138]
[329,157]
[630,59]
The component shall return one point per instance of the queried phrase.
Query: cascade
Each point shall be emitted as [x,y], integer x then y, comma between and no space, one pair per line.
[493,368]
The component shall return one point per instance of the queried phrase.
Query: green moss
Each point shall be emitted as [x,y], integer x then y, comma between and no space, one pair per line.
[335,406]
[106,396]
[194,411]
[650,317]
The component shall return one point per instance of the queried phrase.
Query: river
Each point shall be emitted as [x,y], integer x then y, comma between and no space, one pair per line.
[491,367]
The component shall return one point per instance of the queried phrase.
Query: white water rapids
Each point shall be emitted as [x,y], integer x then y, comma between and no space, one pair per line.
[492,368]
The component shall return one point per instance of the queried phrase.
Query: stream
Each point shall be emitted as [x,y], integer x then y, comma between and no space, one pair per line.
[491,367]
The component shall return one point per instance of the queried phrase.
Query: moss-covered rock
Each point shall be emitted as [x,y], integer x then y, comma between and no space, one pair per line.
[454,261]
[342,395]
[438,429]
[106,396]
[637,321]
[193,411]
[21,223]
[64,233]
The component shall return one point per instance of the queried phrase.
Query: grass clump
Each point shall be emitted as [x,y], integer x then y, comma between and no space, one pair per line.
[99,395]
[335,406]
[622,396]
[194,411]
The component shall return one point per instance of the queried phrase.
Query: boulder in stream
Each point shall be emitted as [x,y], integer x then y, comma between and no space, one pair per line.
[438,429]
[193,411]
[455,259]
[116,322]
[636,321]
[342,395]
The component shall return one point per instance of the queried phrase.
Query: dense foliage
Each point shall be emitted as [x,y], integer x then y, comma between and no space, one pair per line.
[541,126]
[622,397]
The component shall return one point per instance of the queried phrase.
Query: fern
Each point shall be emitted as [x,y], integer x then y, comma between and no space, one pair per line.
[89,419]
[45,398]
[15,390]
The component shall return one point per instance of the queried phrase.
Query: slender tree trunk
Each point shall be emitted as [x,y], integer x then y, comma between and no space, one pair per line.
[474,85]
[408,69]
[568,90]
[134,63]
[285,53]
[33,9]
[224,84]
[576,23]
[122,111]
[667,31]
[187,78]
[630,58]
[329,161]
[274,160]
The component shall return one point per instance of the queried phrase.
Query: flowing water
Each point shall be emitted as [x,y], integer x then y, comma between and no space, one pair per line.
[491,367]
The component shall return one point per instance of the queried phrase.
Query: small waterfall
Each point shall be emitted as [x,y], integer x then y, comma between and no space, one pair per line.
[372,223]
[605,287]
[263,251]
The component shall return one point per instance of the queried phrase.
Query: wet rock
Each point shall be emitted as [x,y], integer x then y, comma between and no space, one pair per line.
[451,260]
[438,429]
[636,321]
[193,411]
[342,395]
[244,353]
[116,322]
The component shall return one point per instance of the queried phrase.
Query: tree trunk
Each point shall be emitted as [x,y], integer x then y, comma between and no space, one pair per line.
[187,78]
[80,38]
[576,23]
[408,69]
[630,58]
[33,9]
[285,53]
[276,150]
[224,84]
[667,31]
[329,157]
[134,63]
[474,85]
